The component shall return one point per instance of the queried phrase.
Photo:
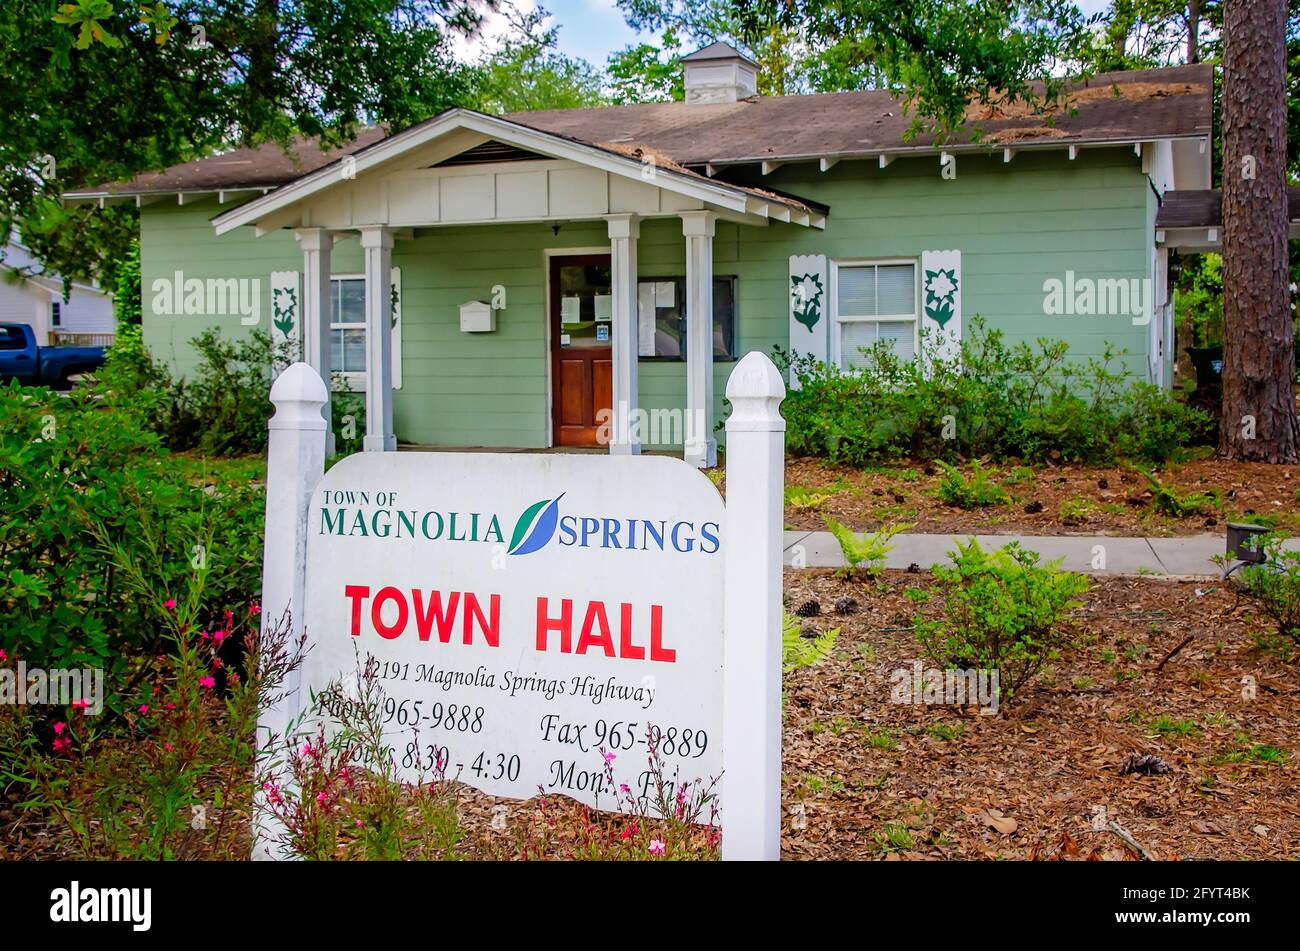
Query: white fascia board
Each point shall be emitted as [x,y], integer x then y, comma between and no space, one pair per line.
[500,129]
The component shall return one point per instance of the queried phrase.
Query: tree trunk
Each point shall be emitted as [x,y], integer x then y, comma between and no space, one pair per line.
[1193,31]
[1259,410]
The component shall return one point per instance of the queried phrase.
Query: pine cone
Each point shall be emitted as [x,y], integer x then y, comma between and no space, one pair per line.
[1034,507]
[1145,764]
[808,609]
[846,605]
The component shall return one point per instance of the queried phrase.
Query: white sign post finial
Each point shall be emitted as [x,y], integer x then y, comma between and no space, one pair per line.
[295,462]
[751,717]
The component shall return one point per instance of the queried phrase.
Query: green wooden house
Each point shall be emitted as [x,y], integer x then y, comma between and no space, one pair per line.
[589,277]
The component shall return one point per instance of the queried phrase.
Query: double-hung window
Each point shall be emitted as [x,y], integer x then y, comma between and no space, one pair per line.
[873,302]
[348,325]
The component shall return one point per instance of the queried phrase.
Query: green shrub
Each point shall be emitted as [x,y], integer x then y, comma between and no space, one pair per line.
[80,479]
[979,491]
[1001,611]
[1023,401]
[1276,584]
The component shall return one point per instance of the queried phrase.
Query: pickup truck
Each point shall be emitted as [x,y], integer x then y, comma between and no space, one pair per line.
[22,360]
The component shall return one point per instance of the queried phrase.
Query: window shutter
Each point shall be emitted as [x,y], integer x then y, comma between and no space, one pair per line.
[397,327]
[809,302]
[941,303]
[286,320]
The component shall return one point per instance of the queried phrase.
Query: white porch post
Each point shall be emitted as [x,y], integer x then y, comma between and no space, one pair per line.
[377,243]
[316,244]
[623,233]
[701,448]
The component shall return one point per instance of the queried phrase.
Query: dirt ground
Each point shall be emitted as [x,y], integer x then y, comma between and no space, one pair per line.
[865,778]
[1096,501]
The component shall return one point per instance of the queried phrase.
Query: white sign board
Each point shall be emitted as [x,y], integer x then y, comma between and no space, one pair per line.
[525,614]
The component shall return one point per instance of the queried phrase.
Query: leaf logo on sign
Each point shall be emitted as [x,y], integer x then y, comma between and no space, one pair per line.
[536,526]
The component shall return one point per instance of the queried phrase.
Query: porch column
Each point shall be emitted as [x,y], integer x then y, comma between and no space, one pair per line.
[316,244]
[701,449]
[377,243]
[623,232]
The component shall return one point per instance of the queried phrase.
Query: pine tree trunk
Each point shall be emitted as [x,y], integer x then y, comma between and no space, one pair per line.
[1259,409]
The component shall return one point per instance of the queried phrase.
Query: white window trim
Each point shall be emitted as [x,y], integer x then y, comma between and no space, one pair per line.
[356,380]
[836,320]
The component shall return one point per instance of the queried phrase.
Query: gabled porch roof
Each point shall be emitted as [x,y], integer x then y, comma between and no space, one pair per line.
[402,181]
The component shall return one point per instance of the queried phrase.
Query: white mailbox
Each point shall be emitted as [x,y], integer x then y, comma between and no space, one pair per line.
[477,317]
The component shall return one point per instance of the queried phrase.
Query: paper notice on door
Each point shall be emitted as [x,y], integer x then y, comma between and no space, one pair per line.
[570,309]
[645,324]
[564,340]
[604,306]
[665,294]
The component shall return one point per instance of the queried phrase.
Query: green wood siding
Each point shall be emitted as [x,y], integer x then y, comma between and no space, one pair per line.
[1016,224]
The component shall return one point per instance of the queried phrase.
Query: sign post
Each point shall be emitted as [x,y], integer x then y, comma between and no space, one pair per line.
[751,717]
[553,622]
[295,461]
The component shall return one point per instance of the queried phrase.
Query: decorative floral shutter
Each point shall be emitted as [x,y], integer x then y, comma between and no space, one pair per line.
[809,303]
[941,303]
[286,319]
[396,277]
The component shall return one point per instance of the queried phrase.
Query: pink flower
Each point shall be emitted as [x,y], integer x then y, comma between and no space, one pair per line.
[168,747]
[625,789]
[3,656]
[320,796]
[82,705]
[254,608]
[218,636]
[62,744]
[657,847]
[59,727]
[360,823]
[169,706]
[306,748]
[170,604]
[609,758]
[144,708]
[208,682]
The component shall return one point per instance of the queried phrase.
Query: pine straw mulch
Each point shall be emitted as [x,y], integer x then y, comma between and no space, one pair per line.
[1032,781]
[867,779]
[1118,498]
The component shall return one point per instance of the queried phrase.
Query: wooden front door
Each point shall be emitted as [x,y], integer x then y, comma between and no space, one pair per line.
[582,326]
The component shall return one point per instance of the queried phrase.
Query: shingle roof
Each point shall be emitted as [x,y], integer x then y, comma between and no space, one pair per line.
[1159,103]
[1123,107]
[1204,209]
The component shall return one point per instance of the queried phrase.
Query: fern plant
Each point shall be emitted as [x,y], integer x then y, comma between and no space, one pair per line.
[867,550]
[798,497]
[799,651]
[978,491]
[1167,500]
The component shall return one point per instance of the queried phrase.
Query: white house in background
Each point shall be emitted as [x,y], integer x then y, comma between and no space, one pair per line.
[29,295]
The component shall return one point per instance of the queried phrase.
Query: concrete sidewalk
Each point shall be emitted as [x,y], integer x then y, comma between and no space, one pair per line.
[1173,557]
